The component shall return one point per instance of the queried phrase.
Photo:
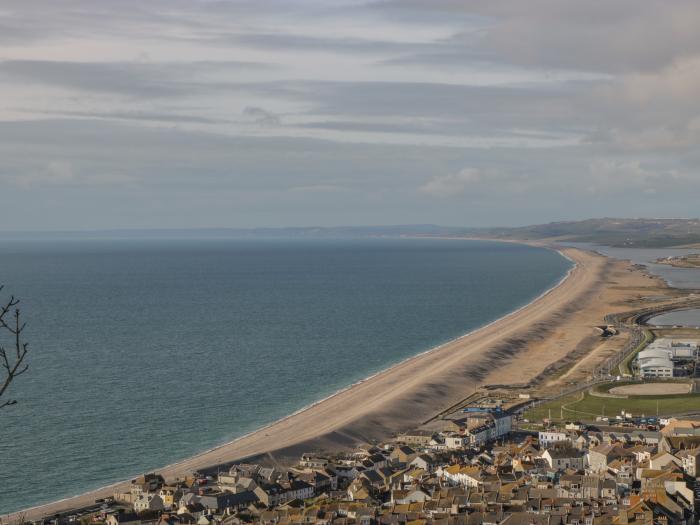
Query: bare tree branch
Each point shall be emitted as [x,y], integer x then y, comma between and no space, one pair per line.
[12,358]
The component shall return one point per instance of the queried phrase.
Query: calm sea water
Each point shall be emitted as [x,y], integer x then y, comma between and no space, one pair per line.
[145,352]
[689,318]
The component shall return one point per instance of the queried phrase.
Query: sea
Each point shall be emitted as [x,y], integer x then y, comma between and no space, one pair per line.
[147,351]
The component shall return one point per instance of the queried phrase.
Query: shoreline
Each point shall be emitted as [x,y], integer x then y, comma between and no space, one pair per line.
[202,458]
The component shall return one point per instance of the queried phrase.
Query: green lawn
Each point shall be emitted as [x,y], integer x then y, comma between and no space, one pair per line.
[587,407]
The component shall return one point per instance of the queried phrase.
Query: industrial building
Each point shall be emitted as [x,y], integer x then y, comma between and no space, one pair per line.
[665,358]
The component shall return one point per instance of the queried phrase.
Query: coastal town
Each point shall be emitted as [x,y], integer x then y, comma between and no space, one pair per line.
[479,469]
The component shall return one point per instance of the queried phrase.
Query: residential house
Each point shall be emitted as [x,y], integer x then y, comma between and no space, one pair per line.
[170,495]
[271,494]
[673,444]
[456,441]
[551,437]
[681,427]
[422,461]
[123,518]
[462,475]
[561,458]
[662,459]
[220,501]
[148,502]
[416,437]
[600,457]
[360,490]
[402,454]
[408,496]
[313,461]
[478,436]
[690,461]
[579,486]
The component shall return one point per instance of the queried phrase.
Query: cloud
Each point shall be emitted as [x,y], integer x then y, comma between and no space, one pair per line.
[61,173]
[261,116]
[134,79]
[137,116]
[287,42]
[452,185]
[594,36]
[280,112]
[616,175]
[320,188]
[650,110]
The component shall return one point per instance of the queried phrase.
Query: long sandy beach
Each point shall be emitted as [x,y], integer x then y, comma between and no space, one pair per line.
[409,393]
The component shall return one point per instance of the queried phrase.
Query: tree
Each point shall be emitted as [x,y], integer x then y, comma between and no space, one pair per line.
[13,349]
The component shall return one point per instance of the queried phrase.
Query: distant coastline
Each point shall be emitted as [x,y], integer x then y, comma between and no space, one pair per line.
[691,260]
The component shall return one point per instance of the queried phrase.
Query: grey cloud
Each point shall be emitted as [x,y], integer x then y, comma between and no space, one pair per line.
[627,129]
[11,33]
[633,112]
[31,20]
[45,20]
[460,107]
[134,79]
[158,156]
[261,116]
[440,100]
[295,42]
[451,184]
[146,116]
[223,180]
[595,35]
[648,111]
[436,127]
[130,79]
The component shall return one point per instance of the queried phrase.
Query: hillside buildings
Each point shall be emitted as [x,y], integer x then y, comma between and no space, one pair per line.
[573,475]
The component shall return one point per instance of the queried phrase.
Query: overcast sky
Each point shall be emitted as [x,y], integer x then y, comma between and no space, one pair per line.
[197,113]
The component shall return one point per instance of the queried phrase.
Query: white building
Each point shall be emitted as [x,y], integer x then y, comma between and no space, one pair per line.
[455,441]
[549,438]
[461,475]
[481,426]
[656,367]
[660,356]
[498,424]
[686,350]
[650,353]
[691,462]
[148,502]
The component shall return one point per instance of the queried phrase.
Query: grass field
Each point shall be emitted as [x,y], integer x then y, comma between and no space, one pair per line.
[585,406]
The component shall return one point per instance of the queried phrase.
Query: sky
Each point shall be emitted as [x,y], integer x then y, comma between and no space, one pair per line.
[269,113]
